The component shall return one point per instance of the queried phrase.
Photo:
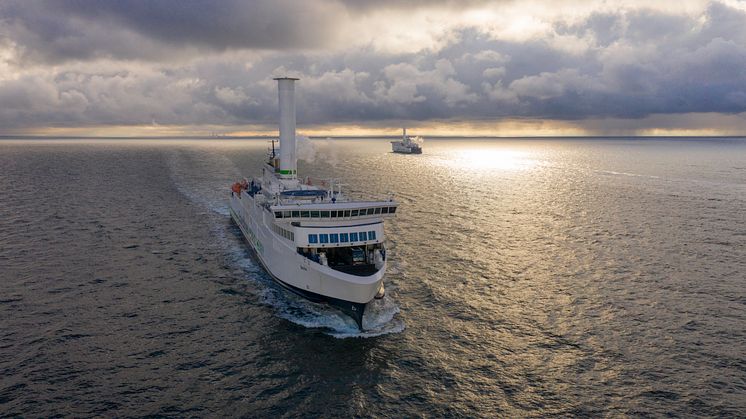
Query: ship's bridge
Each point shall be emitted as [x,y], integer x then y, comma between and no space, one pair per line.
[334,211]
[339,236]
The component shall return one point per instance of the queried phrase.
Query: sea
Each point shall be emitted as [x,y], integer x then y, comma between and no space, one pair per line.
[551,277]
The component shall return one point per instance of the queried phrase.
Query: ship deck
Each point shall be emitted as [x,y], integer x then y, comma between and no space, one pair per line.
[357,270]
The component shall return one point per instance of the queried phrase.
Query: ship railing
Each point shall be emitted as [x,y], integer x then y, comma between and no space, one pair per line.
[334,188]
[338,199]
[354,196]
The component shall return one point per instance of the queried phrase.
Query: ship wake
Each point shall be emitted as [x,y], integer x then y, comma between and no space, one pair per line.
[380,315]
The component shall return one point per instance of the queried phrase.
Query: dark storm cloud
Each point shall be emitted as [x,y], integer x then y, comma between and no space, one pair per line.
[58,30]
[265,24]
[626,64]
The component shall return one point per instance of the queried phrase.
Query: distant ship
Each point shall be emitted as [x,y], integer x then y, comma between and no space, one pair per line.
[407,144]
[308,235]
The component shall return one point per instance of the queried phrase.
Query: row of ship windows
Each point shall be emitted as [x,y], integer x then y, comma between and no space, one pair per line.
[336,213]
[284,233]
[341,237]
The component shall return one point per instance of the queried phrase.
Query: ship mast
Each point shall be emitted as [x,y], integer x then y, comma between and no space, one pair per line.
[288,158]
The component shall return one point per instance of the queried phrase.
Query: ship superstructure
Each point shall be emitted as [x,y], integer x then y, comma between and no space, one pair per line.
[407,144]
[309,236]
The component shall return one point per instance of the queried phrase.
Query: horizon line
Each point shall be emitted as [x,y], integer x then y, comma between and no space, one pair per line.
[269,137]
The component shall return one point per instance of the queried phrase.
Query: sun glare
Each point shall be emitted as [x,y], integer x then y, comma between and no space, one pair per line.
[494,159]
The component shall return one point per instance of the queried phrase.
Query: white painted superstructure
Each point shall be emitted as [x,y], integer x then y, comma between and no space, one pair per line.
[308,235]
[407,144]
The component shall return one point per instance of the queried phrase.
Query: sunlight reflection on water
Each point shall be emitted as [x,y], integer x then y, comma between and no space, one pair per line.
[579,278]
[494,159]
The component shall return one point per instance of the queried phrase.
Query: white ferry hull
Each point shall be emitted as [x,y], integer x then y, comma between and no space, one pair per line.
[397,148]
[314,281]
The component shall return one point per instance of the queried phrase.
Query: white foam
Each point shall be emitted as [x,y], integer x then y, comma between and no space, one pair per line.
[611,172]
[379,319]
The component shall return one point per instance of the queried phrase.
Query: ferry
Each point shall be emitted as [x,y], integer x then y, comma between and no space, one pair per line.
[407,144]
[308,235]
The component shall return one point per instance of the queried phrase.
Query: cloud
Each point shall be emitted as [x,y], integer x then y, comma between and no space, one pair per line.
[230,96]
[59,30]
[73,63]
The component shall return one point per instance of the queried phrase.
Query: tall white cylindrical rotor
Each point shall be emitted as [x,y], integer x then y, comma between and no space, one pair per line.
[288,160]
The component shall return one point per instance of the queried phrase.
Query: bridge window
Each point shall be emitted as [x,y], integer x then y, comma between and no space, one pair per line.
[392,210]
[385,210]
[286,214]
[314,214]
[347,213]
[324,238]
[371,211]
[378,210]
[304,214]
[371,235]
[343,238]
[278,214]
[334,238]
[324,214]
[363,236]
[313,238]
[354,213]
[296,214]
[353,237]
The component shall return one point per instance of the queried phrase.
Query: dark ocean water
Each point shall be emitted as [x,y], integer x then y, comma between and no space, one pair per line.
[594,277]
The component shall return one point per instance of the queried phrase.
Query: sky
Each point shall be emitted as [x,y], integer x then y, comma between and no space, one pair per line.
[498,68]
